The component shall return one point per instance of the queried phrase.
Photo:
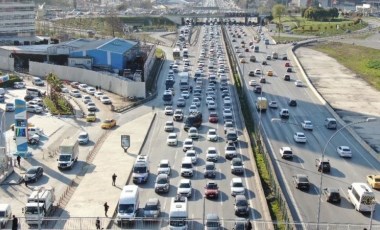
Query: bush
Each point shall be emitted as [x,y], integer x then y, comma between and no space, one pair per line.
[12,79]
[62,107]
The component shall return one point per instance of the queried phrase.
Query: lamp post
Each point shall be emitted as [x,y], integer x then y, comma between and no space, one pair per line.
[38,208]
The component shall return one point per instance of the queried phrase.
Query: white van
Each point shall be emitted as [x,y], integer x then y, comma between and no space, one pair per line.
[129,202]
[140,172]
[187,167]
[330,123]
[37,81]
[5,215]
[178,214]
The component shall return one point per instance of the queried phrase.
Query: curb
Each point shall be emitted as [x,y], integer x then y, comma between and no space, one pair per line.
[324,102]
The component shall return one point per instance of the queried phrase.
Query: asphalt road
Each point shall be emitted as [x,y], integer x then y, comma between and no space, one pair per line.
[157,149]
[344,171]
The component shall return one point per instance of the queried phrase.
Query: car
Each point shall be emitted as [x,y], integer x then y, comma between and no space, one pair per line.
[269,57]
[213,117]
[286,152]
[105,100]
[227,100]
[168,110]
[196,101]
[237,166]
[301,181]
[286,77]
[91,117]
[374,181]
[83,138]
[90,90]
[108,124]
[19,85]
[211,190]
[33,173]
[264,62]
[212,135]
[231,135]
[241,55]
[74,84]
[241,224]
[230,151]
[185,94]
[292,102]
[252,83]
[193,108]
[323,165]
[82,87]
[257,71]
[169,126]
[263,80]
[227,126]
[210,170]
[172,139]
[98,94]
[162,183]
[273,104]
[284,113]
[193,155]
[307,125]
[75,93]
[289,70]
[181,102]
[298,83]
[178,115]
[237,186]
[184,188]
[212,154]
[152,208]
[91,107]
[251,73]
[86,99]
[34,108]
[211,105]
[299,137]
[188,144]
[193,133]
[9,107]
[242,60]
[331,195]
[270,73]
[241,206]
[164,167]
[287,64]
[344,151]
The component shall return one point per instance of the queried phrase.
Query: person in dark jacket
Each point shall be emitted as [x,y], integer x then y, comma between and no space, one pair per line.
[14,223]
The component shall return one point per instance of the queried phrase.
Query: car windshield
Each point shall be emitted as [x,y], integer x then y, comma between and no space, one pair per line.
[187,166]
[241,203]
[212,151]
[237,163]
[184,185]
[237,185]
[151,207]
[83,136]
[211,132]
[210,167]
[212,186]
[126,208]
[177,222]
[31,171]
[108,121]
[162,180]
[230,148]
[139,169]
[190,154]
[164,165]
[212,224]
[64,157]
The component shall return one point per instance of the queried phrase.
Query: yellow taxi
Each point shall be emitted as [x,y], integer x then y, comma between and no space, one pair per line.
[374,181]
[108,123]
[91,117]
[270,73]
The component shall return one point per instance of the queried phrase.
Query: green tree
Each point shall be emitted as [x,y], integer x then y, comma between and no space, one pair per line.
[54,84]
[278,11]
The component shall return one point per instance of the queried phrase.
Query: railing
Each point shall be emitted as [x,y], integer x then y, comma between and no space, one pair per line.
[82,223]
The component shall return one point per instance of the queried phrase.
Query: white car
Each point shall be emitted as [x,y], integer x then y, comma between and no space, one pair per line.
[273,104]
[298,83]
[188,144]
[193,155]
[252,83]
[227,100]
[193,133]
[64,89]
[185,188]
[169,126]
[34,108]
[196,102]
[83,138]
[227,112]
[98,94]
[299,137]
[75,93]
[86,99]
[212,135]
[82,87]
[212,154]
[237,186]
[344,151]
[172,139]
[105,100]
[209,99]
[164,167]
[169,110]
[9,107]
[307,125]
[19,85]
[228,125]
[193,108]
[257,71]
[90,90]
[185,94]
[91,107]
[230,151]
[211,105]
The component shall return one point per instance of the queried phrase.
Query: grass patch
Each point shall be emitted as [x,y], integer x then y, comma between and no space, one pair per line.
[62,107]
[361,60]
[282,39]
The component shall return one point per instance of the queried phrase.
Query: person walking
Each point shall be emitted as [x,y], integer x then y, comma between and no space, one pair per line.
[97,223]
[106,207]
[249,225]
[18,161]
[114,179]
[14,223]
[26,183]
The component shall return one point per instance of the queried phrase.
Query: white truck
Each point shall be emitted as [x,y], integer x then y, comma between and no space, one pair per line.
[5,215]
[128,204]
[68,153]
[178,214]
[39,205]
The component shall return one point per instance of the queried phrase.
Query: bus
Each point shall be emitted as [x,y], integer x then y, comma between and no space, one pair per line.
[362,197]
[176,53]
[184,80]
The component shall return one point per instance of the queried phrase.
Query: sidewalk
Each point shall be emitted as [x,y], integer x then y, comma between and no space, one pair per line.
[96,186]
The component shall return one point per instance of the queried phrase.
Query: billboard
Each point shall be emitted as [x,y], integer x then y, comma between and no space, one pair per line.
[21,128]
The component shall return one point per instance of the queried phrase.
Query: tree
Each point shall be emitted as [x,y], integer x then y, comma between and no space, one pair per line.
[278,11]
[114,22]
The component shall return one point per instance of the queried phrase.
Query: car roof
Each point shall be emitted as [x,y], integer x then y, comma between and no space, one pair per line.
[301,176]
[162,175]
[333,190]
[237,179]
[210,163]
[153,201]
[212,216]
[164,161]
[184,181]
[286,148]
[240,197]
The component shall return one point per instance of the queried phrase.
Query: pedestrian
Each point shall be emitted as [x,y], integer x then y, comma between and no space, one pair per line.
[26,183]
[106,207]
[100,88]
[249,225]
[97,223]
[18,160]
[113,179]
[96,87]
[14,223]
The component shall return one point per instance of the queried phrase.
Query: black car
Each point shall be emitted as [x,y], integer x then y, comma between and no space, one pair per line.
[264,63]
[292,102]
[286,77]
[301,181]
[193,120]
[323,166]
[289,70]
[332,195]
[241,205]
[33,173]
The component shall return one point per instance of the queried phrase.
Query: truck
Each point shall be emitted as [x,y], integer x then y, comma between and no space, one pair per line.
[178,214]
[261,104]
[5,215]
[39,205]
[184,80]
[128,204]
[68,153]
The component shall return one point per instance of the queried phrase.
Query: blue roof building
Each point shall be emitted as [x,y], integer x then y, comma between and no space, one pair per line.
[111,53]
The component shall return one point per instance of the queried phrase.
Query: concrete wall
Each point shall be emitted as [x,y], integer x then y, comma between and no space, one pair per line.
[6,63]
[149,62]
[112,83]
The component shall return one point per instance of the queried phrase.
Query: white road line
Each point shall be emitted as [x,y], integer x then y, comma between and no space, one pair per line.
[151,139]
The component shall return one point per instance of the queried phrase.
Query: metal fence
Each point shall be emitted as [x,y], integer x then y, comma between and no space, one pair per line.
[82,223]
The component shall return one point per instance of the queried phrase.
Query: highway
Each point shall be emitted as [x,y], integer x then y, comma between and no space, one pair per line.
[157,149]
[279,134]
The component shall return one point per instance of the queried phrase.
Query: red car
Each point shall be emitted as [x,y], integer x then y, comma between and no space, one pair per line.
[211,190]
[213,117]
[287,64]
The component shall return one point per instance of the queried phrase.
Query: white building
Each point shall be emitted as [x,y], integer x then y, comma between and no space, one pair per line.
[17,19]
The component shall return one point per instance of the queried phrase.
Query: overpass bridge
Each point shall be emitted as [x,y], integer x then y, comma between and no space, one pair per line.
[180,19]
